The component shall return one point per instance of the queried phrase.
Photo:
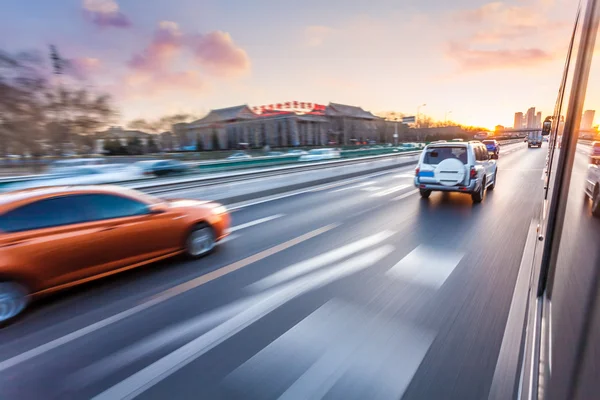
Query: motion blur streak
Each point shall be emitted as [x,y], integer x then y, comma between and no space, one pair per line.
[154,373]
[166,295]
[460,314]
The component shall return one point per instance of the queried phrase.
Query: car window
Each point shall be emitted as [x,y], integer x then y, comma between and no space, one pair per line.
[45,213]
[481,153]
[435,155]
[107,206]
[484,153]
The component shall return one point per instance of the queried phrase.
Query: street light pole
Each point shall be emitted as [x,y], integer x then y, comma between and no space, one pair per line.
[418,113]
[446,116]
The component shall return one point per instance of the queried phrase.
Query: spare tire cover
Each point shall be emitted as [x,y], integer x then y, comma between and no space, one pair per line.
[450,172]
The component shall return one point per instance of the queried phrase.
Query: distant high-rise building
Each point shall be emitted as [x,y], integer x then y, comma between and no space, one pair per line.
[587,121]
[538,120]
[530,118]
[518,124]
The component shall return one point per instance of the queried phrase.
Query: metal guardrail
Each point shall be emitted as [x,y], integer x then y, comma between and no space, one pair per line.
[154,187]
[282,163]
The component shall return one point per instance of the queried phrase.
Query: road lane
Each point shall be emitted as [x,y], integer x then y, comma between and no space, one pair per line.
[463,312]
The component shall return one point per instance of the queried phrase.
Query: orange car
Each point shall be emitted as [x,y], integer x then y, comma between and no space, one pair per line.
[52,238]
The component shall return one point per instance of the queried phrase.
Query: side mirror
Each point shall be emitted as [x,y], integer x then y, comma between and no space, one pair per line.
[546,128]
[158,208]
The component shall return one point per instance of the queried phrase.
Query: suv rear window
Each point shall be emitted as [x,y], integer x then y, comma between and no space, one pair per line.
[436,155]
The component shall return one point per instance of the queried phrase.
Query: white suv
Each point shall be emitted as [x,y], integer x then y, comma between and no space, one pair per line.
[456,167]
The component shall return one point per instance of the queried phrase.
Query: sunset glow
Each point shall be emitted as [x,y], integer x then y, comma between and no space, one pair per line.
[484,61]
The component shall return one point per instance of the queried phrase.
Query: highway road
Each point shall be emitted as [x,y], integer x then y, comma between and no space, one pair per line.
[353,290]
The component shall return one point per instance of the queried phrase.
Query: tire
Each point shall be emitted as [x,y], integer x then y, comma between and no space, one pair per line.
[493,185]
[478,195]
[13,300]
[200,241]
[425,193]
[596,202]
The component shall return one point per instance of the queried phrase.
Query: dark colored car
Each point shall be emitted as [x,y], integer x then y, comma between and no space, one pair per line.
[161,167]
[492,147]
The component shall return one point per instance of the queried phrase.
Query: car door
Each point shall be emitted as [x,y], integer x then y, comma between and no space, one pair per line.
[593,175]
[481,157]
[51,241]
[133,234]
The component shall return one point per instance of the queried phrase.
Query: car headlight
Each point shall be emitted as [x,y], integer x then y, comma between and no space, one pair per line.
[219,210]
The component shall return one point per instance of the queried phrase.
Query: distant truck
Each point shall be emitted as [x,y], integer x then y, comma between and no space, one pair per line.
[534,139]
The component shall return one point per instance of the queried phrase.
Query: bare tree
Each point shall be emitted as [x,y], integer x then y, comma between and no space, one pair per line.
[73,113]
[34,111]
[21,102]
[162,124]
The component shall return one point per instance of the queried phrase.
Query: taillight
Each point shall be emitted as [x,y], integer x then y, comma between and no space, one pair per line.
[473,173]
[417,171]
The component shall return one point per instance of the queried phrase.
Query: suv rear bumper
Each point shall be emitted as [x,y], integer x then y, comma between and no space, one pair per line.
[470,188]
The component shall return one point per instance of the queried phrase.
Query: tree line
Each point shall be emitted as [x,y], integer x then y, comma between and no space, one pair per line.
[44,110]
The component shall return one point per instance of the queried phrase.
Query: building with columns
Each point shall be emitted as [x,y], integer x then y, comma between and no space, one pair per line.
[287,124]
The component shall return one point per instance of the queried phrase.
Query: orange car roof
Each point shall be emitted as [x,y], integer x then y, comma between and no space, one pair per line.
[7,200]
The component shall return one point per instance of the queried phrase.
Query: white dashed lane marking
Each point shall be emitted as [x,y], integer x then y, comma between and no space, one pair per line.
[426,266]
[339,351]
[255,222]
[390,190]
[354,186]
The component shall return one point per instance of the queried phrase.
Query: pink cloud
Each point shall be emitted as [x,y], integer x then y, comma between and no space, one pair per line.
[165,45]
[214,52]
[477,60]
[217,52]
[478,15]
[105,13]
[146,83]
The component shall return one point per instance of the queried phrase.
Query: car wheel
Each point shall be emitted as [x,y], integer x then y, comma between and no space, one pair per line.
[13,300]
[478,195]
[425,193]
[596,202]
[493,185]
[200,241]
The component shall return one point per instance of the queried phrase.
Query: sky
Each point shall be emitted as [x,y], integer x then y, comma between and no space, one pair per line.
[473,62]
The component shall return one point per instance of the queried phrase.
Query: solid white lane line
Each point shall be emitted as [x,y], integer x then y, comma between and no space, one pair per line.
[405,195]
[159,298]
[310,265]
[256,222]
[404,176]
[370,189]
[354,186]
[390,191]
[149,376]
[426,266]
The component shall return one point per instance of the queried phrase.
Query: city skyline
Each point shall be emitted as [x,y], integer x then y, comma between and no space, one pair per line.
[185,57]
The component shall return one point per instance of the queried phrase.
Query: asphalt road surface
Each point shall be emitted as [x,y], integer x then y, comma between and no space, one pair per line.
[354,290]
